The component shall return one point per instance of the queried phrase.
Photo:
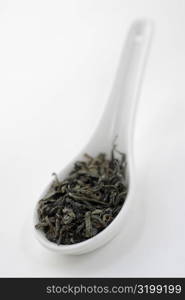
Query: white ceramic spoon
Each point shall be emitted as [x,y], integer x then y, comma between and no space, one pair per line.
[117,120]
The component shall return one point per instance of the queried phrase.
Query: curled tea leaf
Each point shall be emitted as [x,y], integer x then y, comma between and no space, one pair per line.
[86,201]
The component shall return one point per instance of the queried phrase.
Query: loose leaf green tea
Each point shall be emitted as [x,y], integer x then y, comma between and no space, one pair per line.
[80,206]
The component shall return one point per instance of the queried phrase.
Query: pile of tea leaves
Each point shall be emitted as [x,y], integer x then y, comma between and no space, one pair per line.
[83,204]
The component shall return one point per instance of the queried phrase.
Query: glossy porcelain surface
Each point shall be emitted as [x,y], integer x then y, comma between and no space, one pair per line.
[118,120]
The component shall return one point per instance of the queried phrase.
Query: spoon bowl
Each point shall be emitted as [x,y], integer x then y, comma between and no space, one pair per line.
[118,120]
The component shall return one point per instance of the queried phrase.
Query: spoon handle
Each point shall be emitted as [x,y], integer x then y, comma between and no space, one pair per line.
[119,115]
[127,85]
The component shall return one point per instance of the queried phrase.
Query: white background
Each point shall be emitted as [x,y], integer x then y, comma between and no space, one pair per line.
[57,64]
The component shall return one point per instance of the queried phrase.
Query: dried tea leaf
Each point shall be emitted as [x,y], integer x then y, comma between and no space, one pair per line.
[88,224]
[86,201]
